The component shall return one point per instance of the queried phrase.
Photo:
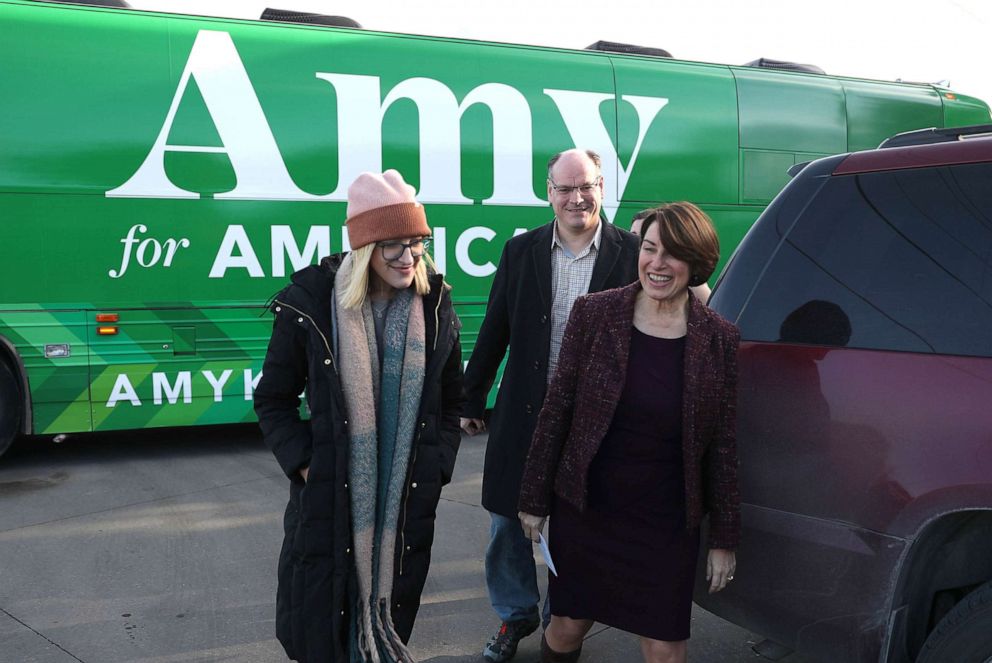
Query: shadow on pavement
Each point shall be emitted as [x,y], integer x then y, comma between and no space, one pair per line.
[159,443]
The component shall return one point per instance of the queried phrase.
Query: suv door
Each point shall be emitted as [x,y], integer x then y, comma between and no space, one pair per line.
[865,379]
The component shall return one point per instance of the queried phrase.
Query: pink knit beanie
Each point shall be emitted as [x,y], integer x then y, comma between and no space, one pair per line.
[383,207]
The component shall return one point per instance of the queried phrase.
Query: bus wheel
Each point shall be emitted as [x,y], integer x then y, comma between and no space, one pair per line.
[10,407]
[963,633]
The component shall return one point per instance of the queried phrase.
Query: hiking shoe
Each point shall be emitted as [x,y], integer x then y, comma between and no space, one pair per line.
[503,645]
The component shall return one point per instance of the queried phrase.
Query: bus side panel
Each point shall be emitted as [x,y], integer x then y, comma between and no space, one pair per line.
[180,202]
[791,112]
[59,382]
[474,138]
[961,110]
[178,367]
[67,75]
[785,118]
[876,111]
[690,151]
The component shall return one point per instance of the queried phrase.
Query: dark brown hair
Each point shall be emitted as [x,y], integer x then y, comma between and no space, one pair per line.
[688,234]
[643,214]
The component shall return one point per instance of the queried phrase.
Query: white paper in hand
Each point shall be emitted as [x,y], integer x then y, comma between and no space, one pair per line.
[546,553]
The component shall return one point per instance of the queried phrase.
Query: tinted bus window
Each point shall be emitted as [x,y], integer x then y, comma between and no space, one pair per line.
[900,259]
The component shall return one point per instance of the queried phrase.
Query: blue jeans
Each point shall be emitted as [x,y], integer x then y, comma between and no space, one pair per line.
[511,574]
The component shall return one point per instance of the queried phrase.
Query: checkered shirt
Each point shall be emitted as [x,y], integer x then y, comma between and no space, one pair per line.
[570,277]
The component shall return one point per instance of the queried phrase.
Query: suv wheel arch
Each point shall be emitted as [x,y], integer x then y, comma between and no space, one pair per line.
[963,633]
[948,561]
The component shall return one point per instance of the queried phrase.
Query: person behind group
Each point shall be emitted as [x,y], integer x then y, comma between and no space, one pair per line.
[372,337]
[702,291]
[635,442]
[540,274]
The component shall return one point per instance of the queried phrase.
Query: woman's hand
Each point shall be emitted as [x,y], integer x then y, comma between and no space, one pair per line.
[720,567]
[532,525]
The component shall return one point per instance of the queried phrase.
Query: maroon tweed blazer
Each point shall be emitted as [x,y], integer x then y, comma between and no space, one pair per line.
[584,393]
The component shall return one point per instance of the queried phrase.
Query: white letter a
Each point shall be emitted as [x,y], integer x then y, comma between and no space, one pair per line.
[123,391]
[230,100]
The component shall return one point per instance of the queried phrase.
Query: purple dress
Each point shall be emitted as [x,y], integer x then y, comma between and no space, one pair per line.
[628,560]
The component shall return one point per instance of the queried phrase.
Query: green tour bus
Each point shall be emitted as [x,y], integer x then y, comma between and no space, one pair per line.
[162,175]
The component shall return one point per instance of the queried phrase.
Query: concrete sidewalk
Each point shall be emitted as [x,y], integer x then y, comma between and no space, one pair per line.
[160,546]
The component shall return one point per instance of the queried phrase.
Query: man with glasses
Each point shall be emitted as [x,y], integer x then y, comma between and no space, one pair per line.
[540,275]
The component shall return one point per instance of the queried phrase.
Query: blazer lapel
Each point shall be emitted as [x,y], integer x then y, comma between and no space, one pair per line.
[613,330]
[541,255]
[619,327]
[609,253]
[622,326]
[696,341]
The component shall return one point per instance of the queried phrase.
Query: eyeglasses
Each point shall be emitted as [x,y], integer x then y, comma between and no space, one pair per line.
[393,251]
[584,189]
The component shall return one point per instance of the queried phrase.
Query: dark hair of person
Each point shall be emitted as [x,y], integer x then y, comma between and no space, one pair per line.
[593,156]
[688,234]
[643,214]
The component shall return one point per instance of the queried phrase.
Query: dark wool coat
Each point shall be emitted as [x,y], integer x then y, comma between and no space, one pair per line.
[592,371]
[312,610]
[518,316]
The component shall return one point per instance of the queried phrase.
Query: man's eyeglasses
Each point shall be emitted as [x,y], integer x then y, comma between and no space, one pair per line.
[584,189]
[393,251]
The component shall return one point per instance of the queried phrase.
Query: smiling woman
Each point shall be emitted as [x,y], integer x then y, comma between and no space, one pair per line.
[372,338]
[679,249]
[639,411]
[395,264]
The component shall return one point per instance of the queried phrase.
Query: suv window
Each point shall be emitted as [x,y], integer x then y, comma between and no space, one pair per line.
[897,260]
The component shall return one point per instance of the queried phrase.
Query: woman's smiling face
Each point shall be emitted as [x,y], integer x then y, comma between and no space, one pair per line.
[398,272]
[663,276]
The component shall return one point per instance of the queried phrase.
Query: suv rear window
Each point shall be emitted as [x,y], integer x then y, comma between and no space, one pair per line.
[898,260]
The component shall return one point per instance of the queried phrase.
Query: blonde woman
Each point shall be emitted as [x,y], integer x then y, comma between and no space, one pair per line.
[372,339]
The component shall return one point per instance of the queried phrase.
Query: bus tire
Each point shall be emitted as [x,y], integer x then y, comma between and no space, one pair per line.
[10,407]
[963,634]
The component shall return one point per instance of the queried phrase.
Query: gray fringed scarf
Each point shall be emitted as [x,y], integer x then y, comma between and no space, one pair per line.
[382,408]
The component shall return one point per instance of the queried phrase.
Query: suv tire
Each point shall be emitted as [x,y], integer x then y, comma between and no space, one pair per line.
[963,634]
[10,407]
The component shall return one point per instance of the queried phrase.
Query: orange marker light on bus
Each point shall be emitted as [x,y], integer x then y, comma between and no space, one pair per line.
[106,331]
[950,95]
[107,317]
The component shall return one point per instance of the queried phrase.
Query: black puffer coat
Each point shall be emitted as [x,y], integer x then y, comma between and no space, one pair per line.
[312,610]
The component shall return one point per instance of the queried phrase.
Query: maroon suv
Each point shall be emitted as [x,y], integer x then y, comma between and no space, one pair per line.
[864,298]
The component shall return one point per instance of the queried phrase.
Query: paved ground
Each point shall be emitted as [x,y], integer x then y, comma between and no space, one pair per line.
[160,547]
